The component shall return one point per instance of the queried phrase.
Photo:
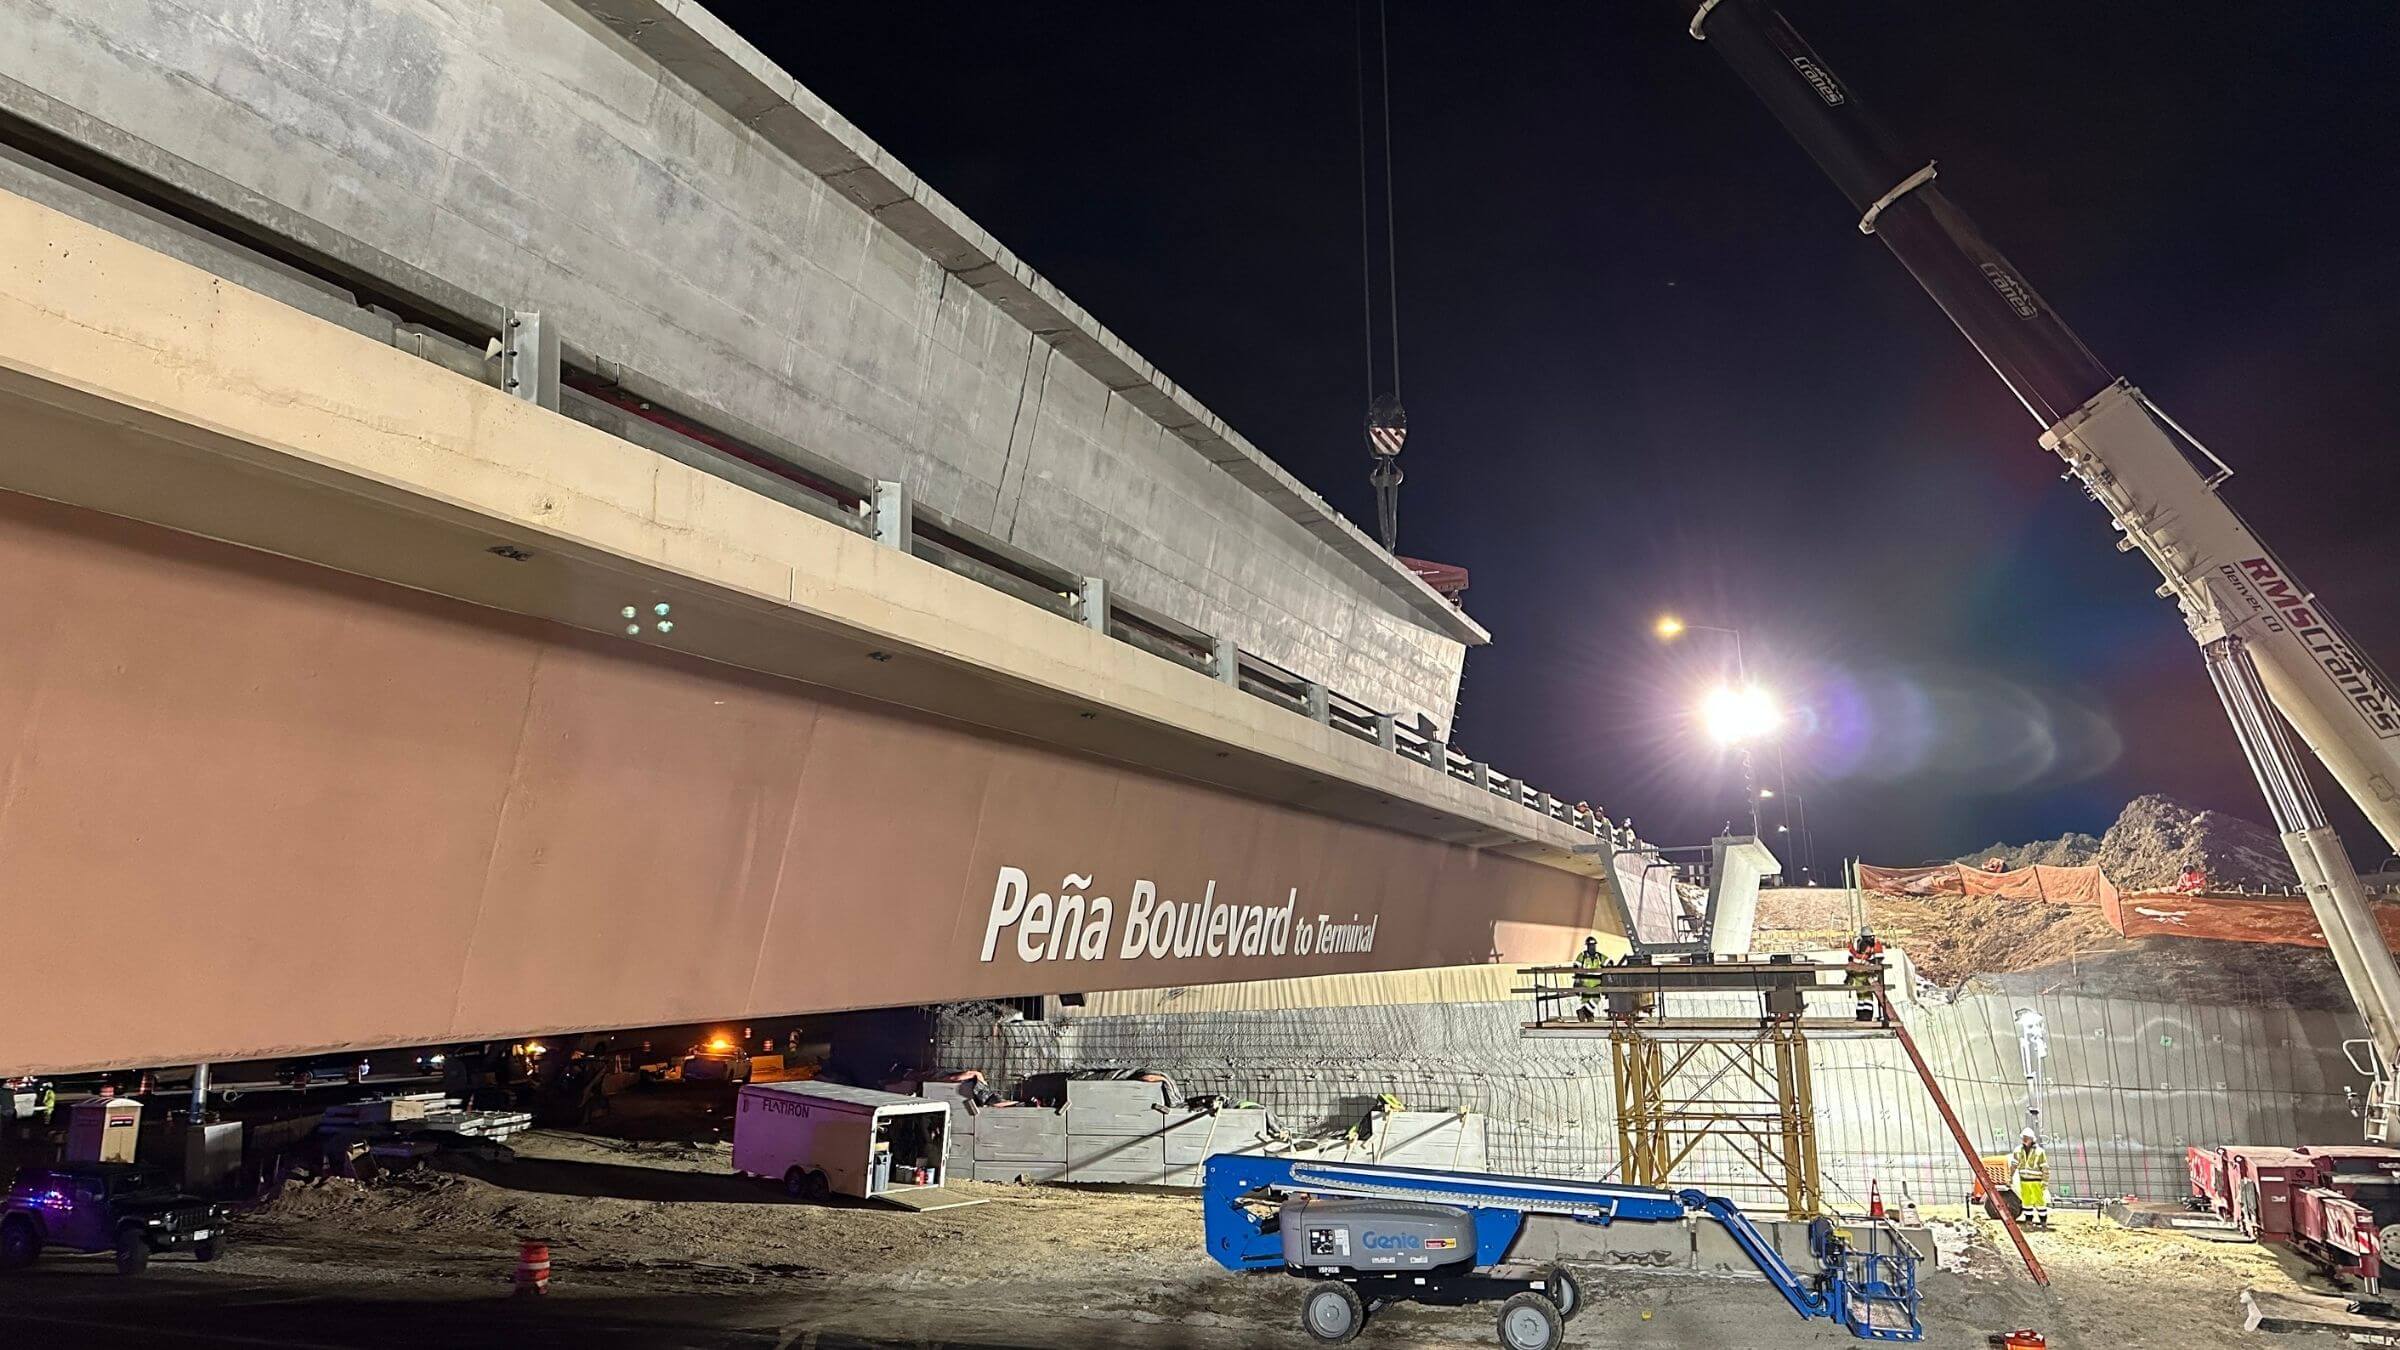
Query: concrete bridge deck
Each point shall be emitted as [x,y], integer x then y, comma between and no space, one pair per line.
[366,361]
[280,722]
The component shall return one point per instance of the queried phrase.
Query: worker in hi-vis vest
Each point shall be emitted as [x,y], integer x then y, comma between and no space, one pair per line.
[1587,976]
[2029,1168]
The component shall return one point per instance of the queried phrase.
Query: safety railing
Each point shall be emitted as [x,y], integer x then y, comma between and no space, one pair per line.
[532,359]
[884,510]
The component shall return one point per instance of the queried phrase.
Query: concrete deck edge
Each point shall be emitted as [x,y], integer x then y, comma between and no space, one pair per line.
[93,322]
[699,49]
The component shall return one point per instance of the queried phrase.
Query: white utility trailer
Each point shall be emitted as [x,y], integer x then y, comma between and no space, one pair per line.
[824,1139]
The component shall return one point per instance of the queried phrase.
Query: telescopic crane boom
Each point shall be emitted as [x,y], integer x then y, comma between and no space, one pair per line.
[2269,646]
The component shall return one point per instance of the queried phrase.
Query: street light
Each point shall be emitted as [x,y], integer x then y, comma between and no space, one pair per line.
[1740,715]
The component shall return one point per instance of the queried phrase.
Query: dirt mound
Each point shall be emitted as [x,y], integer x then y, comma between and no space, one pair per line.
[1986,943]
[2068,850]
[2153,840]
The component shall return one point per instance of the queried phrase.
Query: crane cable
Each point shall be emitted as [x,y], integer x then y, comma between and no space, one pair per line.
[1387,420]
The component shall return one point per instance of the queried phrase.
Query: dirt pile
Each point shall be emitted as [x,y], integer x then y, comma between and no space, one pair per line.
[2153,840]
[2068,850]
[1987,943]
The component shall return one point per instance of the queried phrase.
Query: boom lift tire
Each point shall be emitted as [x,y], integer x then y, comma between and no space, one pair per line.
[1331,1312]
[1530,1321]
[1564,1290]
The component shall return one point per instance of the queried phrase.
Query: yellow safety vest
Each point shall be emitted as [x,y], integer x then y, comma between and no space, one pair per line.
[1587,970]
[2031,1164]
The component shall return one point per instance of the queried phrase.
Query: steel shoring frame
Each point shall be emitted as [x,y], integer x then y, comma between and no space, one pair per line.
[1664,1117]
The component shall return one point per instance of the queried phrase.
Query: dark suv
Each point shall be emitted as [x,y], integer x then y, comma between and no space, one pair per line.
[127,1208]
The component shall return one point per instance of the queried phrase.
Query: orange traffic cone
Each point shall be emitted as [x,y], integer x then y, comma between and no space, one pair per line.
[533,1268]
[1874,1200]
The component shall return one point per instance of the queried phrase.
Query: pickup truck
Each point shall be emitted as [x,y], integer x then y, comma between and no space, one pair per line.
[127,1208]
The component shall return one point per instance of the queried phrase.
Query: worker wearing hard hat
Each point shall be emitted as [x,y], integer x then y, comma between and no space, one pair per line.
[1587,977]
[1865,969]
[2029,1168]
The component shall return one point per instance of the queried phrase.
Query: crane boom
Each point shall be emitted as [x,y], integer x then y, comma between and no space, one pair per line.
[2267,641]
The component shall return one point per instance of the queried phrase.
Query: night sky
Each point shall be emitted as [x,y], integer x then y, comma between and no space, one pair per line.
[1650,364]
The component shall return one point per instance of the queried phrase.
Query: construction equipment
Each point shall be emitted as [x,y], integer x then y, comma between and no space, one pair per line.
[2269,645]
[2340,1207]
[1372,1235]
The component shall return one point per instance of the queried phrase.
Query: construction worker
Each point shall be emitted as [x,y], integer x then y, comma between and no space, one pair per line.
[1866,969]
[2029,1168]
[2192,882]
[1587,977]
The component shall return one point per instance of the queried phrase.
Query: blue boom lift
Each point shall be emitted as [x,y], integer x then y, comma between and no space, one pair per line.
[1371,1235]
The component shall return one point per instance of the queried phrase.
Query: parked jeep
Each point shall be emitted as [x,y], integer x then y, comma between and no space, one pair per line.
[127,1208]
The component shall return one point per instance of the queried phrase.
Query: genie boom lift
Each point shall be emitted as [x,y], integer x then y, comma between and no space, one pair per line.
[1371,1235]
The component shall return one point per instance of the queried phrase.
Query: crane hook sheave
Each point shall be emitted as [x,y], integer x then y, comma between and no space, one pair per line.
[1387,427]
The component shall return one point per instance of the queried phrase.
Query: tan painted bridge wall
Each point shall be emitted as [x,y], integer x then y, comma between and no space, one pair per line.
[251,806]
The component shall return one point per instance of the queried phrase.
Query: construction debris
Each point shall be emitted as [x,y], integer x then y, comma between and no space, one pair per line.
[421,1113]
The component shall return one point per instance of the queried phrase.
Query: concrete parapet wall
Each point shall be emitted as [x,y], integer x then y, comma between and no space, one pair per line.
[663,209]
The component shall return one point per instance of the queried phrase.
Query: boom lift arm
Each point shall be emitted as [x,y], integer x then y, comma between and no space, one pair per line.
[2267,641]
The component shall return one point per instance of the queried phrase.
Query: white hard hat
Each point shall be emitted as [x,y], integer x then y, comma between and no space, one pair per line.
[2027,1136]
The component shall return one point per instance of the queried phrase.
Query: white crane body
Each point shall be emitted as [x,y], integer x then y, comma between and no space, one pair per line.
[2276,657]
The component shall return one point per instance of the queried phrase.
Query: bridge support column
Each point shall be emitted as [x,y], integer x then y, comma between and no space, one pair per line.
[894,519]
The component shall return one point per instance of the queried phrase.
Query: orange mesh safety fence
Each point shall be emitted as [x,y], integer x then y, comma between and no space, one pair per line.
[2048,885]
[2279,919]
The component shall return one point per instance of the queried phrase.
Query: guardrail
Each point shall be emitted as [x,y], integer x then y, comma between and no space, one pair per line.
[450,328]
[883,510]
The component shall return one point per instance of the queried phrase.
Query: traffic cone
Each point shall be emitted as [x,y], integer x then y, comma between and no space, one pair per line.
[1874,1200]
[533,1268]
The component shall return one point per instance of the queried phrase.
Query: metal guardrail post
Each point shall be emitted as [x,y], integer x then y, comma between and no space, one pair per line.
[529,356]
[1092,602]
[1387,731]
[1320,703]
[895,525]
[1225,659]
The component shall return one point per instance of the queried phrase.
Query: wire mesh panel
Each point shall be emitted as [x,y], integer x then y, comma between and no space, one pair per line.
[2122,1086]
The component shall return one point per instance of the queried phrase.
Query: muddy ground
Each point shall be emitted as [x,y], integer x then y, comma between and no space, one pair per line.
[657,1243]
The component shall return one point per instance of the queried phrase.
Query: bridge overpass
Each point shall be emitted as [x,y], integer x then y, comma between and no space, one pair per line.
[417,641]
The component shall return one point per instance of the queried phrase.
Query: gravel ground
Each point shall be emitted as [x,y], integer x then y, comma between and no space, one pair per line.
[665,1226]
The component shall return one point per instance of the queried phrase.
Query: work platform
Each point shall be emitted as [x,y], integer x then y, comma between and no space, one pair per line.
[1685,1082]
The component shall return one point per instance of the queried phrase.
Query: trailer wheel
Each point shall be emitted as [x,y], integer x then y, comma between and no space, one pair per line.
[1564,1291]
[1331,1312]
[1530,1321]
